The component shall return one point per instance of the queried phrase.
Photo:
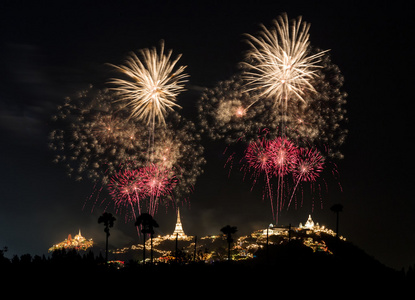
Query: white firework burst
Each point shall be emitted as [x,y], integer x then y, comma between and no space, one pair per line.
[278,64]
[151,84]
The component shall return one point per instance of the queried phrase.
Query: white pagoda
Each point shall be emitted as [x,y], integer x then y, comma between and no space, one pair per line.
[178,230]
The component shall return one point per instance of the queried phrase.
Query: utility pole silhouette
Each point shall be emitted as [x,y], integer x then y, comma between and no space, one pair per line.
[147,224]
[337,208]
[229,230]
[108,219]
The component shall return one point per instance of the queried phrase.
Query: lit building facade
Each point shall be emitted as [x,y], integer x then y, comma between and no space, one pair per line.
[213,248]
[178,230]
[77,243]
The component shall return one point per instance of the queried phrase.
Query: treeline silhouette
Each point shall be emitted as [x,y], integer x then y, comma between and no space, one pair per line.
[289,262]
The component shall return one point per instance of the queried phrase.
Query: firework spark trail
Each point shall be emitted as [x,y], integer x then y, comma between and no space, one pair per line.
[142,187]
[151,89]
[259,158]
[157,182]
[318,121]
[309,166]
[94,139]
[276,157]
[125,188]
[291,90]
[285,155]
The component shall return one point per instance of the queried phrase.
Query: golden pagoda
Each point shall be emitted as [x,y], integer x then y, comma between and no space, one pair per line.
[77,243]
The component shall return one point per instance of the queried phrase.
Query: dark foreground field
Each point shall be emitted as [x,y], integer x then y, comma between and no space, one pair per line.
[290,267]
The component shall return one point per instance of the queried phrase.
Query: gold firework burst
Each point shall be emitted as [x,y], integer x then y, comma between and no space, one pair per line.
[151,84]
[279,64]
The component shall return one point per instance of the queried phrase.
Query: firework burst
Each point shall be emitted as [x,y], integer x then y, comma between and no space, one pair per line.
[95,139]
[157,182]
[260,156]
[151,84]
[126,189]
[310,164]
[320,120]
[260,160]
[279,64]
[284,155]
[274,158]
[290,91]
[223,113]
[141,189]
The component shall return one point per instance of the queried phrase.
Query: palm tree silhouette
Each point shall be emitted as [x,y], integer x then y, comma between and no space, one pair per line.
[147,224]
[229,230]
[337,208]
[108,219]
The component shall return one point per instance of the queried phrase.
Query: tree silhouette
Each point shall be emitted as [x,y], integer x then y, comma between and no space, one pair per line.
[337,208]
[147,224]
[108,219]
[229,230]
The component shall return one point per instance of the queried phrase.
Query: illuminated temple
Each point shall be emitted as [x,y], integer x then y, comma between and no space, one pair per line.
[178,230]
[211,248]
[77,243]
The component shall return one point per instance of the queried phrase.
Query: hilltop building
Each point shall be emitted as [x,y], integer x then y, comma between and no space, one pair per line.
[212,248]
[309,227]
[77,243]
[309,224]
[178,230]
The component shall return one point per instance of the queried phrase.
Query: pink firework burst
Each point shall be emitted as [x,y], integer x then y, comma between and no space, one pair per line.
[272,157]
[126,189]
[156,182]
[284,155]
[309,166]
[260,157]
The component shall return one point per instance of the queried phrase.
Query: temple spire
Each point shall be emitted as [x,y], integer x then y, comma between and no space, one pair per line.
[178,216]
[178,230]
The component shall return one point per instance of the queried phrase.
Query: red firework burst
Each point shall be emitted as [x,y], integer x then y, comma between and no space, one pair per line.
[260,157]
[156,182]
[126,189]
[272,157]
[309,166]
[284,155]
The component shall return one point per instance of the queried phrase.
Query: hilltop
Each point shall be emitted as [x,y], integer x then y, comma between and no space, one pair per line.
[271,259]
[290,266]
[214,248]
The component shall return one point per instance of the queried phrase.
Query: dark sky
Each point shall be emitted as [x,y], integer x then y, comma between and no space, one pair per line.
[50,51]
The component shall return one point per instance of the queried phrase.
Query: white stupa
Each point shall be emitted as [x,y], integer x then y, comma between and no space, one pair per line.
[178,230]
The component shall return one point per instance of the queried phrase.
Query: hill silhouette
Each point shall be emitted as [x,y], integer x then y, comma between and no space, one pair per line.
[290,264]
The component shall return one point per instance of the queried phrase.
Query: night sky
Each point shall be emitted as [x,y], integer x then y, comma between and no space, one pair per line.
[50,51]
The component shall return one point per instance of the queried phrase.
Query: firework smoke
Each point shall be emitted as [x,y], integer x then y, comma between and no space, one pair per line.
[95,139]
[319,121]
[292,93]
